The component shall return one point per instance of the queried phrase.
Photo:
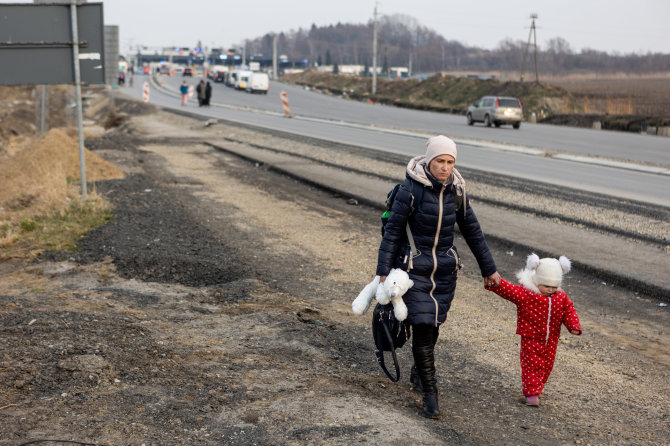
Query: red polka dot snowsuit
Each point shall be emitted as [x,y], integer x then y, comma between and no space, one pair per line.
[539,320]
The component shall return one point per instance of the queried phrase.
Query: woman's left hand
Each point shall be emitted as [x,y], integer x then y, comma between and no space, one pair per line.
[493,280]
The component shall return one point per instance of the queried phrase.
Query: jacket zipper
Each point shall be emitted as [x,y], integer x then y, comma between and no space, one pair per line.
[546,340]
[437,238]
[456,258]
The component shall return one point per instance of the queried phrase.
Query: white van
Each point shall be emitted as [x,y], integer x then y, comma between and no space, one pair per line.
[231,78]
[258,82]
[243,78]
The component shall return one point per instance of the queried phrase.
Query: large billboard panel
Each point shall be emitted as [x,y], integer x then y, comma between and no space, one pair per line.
[36,44]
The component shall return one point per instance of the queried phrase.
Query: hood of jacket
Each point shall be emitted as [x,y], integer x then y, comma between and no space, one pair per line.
[416,170]
[525,277]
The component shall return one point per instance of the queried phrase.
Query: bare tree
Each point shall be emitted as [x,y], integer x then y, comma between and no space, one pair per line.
[558,51]
[401,35]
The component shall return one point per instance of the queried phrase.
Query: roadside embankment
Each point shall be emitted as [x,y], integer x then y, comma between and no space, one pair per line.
[544,102]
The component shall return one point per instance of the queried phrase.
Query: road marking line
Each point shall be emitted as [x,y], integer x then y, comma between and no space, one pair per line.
[610,163]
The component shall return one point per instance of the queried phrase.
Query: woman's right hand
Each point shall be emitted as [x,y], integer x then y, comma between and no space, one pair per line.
[382,279]
[492,281]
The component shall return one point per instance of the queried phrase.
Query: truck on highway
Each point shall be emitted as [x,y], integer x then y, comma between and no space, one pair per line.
[217,72]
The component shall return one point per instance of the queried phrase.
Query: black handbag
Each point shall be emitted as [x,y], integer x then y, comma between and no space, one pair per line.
[389,334]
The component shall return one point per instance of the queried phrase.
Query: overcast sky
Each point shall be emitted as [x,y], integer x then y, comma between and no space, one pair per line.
[608,25]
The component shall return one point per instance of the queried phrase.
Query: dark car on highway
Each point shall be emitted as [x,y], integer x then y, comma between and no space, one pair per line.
[220,76]
[187,72]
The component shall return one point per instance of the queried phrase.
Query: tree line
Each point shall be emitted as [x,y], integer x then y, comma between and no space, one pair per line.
[403,41]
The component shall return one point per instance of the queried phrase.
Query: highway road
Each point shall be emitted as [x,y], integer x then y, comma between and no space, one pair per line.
[615,145]
[403,131]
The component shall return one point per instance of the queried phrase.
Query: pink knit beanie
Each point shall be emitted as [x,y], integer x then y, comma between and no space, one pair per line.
[439,145]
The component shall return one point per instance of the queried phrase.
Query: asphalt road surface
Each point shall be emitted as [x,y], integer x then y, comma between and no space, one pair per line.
[404,131]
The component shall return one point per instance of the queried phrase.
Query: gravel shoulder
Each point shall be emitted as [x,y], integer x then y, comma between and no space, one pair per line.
[215,309]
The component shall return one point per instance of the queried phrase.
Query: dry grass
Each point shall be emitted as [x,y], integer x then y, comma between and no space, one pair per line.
[619,95]
[611,93]
[35,179]
[592,75]
[39,199]
[58,230]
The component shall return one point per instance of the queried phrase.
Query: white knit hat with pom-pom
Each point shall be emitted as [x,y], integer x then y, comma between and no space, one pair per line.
[548,272]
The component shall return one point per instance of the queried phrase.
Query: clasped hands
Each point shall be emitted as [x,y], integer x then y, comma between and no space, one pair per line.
[493,280]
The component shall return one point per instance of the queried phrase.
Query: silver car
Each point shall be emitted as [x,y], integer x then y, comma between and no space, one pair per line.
[496,110]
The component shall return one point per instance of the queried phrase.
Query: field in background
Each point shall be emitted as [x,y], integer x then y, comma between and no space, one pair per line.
[598,94]
[620,95]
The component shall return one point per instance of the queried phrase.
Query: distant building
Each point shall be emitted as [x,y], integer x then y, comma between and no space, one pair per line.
[398,72]
[356,70]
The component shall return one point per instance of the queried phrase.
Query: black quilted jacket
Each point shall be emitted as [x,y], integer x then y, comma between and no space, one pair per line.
[432,223]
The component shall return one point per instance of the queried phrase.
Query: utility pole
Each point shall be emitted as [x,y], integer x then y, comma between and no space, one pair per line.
[409,69]
[442,68]
[537,75]
[374,54]
[533,33]
[275,74]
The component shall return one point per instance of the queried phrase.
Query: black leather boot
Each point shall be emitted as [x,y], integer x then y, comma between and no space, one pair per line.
[415,380]
[425,367]
[430,406]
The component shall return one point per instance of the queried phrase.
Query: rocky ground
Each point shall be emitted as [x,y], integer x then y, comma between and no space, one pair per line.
[215,309]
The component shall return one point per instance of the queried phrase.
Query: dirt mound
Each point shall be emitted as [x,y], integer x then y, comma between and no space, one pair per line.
[36,177]
[99,109]
[136,108]
[440,92]
[114,119]
[20,113]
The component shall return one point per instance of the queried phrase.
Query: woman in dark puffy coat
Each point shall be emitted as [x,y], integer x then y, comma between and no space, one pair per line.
[431,201]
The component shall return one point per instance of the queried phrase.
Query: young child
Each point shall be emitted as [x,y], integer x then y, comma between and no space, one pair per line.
[542,306]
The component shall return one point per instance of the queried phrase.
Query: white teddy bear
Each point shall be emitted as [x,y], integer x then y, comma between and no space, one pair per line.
[391,290]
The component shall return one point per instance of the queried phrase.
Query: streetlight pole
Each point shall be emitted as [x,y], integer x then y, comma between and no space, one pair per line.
[275,73]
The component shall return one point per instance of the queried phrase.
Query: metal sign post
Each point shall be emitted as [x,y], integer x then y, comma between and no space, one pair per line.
[41,43]
[77,86]
[43,110]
